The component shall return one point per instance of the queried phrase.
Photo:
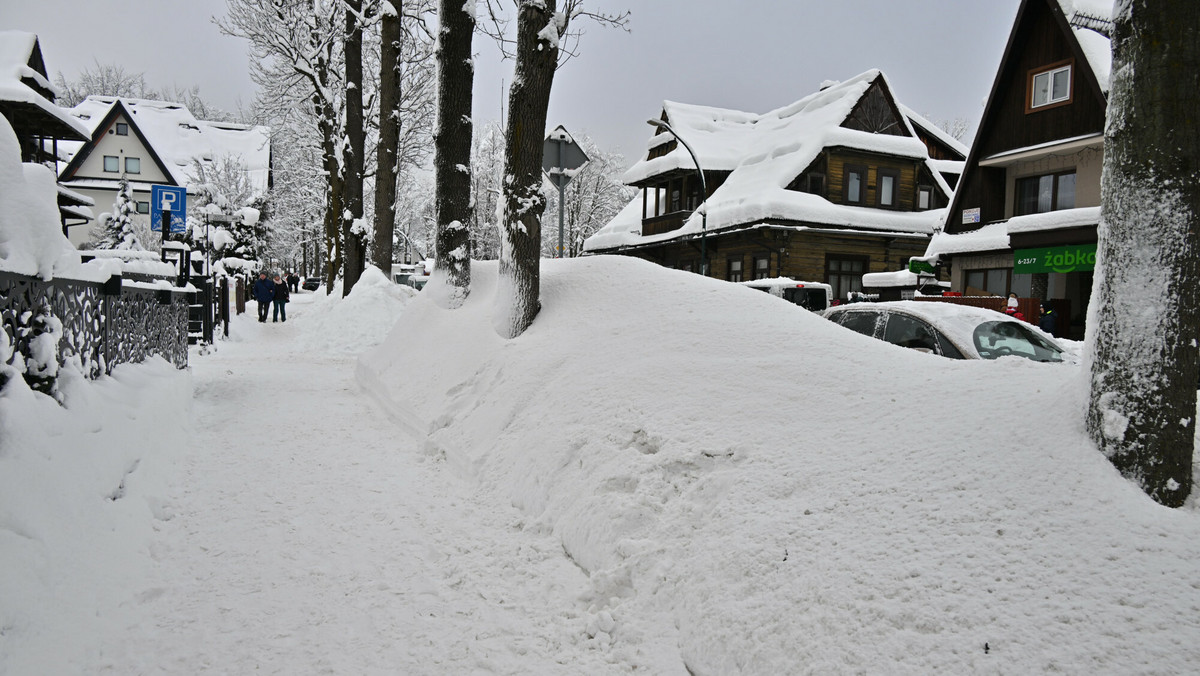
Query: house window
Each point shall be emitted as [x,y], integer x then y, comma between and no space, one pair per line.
[122,129]
[993,282]
[1049,86]
[733,271]
[856,177]
[924,197]
[1048,192]
[889,182]
[762,267]
[815,184]
[112,163]
[133,165]
[844,274]
[143,207]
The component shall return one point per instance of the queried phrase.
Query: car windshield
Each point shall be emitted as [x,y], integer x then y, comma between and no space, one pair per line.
[999,339]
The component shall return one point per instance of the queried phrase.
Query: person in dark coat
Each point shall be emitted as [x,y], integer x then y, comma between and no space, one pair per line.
[293,281]
[281,297]
[264,293]
[1048,320]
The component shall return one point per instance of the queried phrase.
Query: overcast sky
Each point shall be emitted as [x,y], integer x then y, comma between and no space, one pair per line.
[752,55]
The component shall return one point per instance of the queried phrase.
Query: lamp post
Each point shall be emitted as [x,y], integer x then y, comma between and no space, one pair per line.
[703,206]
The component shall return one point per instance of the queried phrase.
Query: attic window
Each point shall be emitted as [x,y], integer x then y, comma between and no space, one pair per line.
[122,129]
[1049,86]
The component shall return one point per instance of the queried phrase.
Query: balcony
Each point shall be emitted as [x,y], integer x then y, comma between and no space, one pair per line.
[665,223]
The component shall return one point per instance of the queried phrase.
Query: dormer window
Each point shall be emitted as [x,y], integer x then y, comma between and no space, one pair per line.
[1049,87]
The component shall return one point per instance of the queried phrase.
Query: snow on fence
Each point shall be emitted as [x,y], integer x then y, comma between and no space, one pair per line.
[89,326]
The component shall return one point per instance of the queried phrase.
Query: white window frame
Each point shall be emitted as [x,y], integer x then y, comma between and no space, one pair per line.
[1050,75]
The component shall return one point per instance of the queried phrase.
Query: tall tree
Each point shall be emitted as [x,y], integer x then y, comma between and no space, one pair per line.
[539,28]
[391,74]
[354,231]
[1145,311]
[452,146]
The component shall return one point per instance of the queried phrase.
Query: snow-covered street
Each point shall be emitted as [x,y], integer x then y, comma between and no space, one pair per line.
[309,534]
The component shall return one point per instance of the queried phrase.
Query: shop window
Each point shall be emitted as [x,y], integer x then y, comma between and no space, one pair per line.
[856,184]
[733,271]
[1049,86]
[133,165]
[1048,192]
[844,274]
[991,282]
[112,163]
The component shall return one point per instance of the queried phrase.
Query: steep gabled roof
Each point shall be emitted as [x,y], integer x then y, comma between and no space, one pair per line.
[1089,46]
[26,96]
[174,138]
[766,153]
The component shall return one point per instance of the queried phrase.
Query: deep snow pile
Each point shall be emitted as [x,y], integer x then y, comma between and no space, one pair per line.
[785,496]
[81,492]
[359,321]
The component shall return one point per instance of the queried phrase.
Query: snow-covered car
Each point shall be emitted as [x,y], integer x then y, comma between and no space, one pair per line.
[809,295]
[948,329]
[311,283]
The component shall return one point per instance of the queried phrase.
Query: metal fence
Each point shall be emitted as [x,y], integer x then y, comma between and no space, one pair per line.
[102,324]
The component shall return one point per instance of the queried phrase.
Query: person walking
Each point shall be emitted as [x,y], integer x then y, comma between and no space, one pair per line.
[293,281]
[281,297]
[264,293]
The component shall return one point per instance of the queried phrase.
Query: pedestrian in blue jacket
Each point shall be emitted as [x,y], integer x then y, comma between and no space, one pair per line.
[264,293]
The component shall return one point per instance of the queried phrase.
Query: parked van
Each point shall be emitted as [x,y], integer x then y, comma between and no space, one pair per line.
[813,296]
[410,274]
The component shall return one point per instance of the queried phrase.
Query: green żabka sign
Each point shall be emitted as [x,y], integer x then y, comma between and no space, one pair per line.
[1075,258]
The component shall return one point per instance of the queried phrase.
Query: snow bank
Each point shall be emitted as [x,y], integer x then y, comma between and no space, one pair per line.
[81,487]
[781,495]
[369,311]
[31,239]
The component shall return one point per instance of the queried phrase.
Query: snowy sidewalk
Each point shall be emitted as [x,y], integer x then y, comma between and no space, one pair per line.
[308,534]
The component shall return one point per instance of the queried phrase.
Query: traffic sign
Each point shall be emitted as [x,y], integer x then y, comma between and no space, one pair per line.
[171,199]
[561,155]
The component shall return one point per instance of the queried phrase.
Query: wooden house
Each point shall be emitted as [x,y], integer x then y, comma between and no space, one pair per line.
[842,182]
[1024,217]
[27,102]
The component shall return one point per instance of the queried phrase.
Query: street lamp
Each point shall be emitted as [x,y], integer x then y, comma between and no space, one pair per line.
[703,206]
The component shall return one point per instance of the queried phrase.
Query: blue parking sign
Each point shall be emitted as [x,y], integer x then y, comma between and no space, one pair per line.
[172,199]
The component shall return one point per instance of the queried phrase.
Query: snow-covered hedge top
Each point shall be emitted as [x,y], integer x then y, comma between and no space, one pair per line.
[31,239]
[178,137]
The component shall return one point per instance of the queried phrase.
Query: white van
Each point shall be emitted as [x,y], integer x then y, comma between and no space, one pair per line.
[813,296]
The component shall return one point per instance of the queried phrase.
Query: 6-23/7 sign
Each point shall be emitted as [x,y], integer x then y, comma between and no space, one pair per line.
[1074,258]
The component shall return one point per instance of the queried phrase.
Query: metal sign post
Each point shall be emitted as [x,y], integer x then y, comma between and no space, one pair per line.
[560,154]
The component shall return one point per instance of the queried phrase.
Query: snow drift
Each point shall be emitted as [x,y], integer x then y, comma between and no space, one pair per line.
[784,496]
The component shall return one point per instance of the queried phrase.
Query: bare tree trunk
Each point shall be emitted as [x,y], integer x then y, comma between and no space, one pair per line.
[333,207]
[523,201]
[452,147]
[390,74]
[354,240]
[1145,312]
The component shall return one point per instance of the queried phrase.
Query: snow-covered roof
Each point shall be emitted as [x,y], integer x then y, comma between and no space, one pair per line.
[933,130]
[1083,15]
[765,153]
[991,237]
[1054,220]
[177,137]
[16,52]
